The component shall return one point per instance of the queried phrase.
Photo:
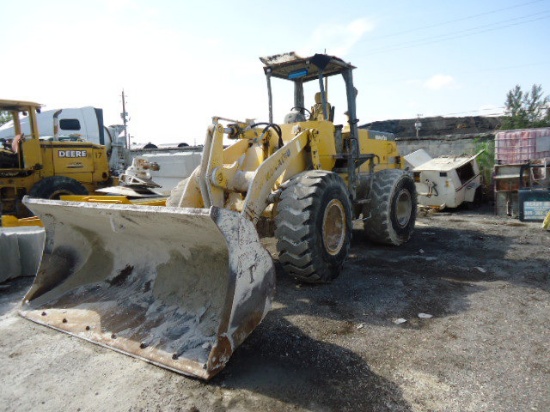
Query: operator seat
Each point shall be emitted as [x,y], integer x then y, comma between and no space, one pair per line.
[8,158]
[317,109]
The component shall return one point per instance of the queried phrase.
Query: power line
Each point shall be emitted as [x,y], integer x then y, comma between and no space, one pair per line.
[428,119]
[456,20]
[475,111]
[519,66]
[461,73]
[463,33]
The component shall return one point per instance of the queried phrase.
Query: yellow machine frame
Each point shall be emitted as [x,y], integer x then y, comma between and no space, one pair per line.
[85,164]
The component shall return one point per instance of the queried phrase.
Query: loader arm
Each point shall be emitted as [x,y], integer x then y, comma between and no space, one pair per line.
[223,171]
[257,197]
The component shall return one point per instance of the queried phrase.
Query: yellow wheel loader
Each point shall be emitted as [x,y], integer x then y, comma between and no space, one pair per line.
[45,169]
[182,286]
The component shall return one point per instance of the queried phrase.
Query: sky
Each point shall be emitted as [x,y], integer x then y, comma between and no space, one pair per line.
[182,62]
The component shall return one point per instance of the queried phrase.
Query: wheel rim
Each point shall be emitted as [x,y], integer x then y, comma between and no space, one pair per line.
[403,208]
[334,227]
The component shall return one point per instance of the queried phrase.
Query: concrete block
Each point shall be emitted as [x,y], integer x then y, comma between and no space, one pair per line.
[20,251]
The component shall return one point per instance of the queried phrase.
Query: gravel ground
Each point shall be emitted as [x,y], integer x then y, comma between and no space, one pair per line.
[481,343]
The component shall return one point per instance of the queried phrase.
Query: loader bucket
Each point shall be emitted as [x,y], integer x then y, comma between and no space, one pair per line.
[180,288]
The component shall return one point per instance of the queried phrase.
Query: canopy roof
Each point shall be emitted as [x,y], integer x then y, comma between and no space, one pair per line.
[17,105]
[290,66]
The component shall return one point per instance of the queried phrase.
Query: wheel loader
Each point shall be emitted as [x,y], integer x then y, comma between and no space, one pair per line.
[182,286]
[45,169]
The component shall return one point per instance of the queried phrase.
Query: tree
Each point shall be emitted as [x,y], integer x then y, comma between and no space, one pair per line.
[526,109]
[4,117]
[485,161]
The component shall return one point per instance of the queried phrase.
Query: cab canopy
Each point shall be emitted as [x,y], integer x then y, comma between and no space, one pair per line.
[290,66]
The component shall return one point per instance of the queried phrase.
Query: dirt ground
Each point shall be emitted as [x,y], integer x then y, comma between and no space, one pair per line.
[357,344]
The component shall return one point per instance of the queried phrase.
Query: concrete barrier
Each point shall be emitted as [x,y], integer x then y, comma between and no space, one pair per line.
[20,251]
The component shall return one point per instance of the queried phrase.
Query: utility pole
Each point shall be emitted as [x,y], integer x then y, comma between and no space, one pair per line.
[124,116]
[418,124]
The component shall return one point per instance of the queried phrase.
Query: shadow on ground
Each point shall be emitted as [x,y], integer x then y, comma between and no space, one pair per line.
[435,273]
[280,361]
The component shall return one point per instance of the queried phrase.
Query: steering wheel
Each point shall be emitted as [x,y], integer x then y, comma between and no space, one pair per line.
[303,111]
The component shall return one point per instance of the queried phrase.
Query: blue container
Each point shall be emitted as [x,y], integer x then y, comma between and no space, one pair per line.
[534,201]
[534,204]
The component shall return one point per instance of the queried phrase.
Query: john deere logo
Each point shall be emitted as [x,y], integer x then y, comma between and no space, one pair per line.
[72,153]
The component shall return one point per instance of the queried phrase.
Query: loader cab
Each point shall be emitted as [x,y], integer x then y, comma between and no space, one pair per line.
[309,78]
[304,72]
[25,153]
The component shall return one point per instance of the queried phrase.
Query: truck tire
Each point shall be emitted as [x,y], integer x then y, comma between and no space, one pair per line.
[391,212]
[55,186]
[313,226]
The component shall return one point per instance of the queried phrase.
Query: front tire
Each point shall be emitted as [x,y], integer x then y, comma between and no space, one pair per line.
[54,187]
[313,226]
[391,211]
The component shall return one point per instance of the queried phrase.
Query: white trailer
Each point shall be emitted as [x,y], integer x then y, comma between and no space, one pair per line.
[82,123]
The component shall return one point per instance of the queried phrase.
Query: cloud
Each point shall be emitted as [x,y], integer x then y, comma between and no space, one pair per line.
[337,39]
[439,82]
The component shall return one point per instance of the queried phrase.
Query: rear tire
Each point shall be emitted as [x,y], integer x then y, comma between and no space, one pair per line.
[391,212]
[313,226]
[54,187]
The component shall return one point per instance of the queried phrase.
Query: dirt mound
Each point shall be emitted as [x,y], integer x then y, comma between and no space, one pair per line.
[437,126]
